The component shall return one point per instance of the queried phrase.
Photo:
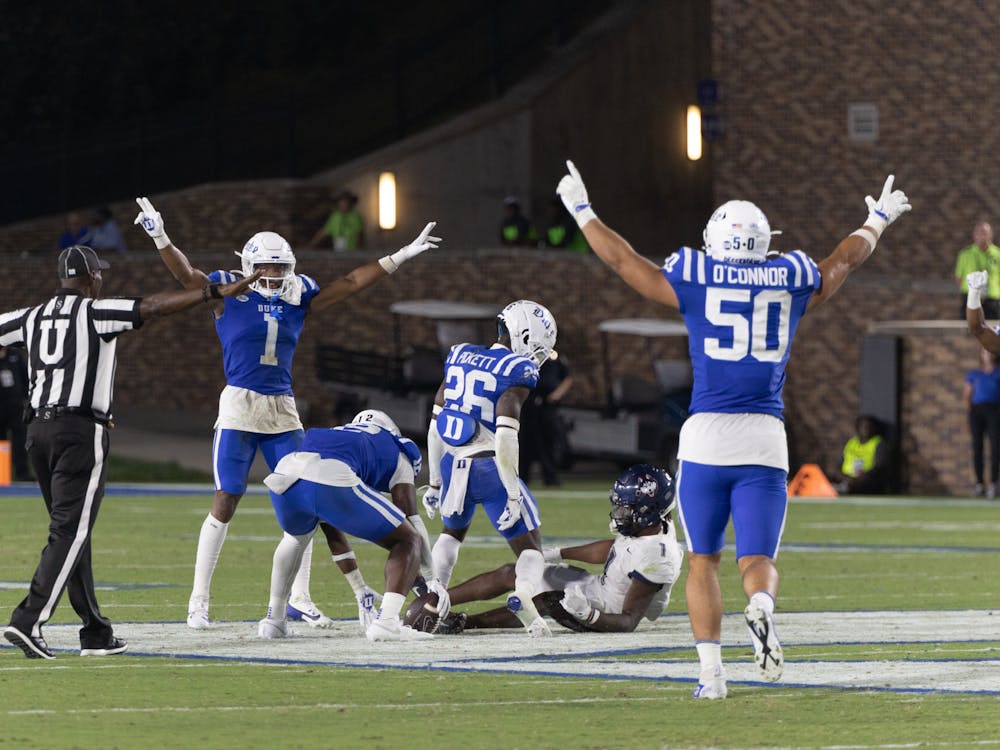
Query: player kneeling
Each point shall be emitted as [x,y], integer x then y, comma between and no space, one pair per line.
[641,564]
[338,476]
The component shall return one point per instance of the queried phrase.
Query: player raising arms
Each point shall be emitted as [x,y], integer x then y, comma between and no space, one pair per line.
[472,449]
[741,308]
[259,332]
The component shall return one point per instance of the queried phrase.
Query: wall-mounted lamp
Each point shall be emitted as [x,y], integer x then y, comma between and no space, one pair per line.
[387,200]
[694,132]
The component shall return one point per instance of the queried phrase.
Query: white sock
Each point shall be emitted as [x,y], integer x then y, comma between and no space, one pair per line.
[528,573]
[709,654]
[763,600]
[210,540]
[445,555]
[300,586]
[392,603]
[287,557]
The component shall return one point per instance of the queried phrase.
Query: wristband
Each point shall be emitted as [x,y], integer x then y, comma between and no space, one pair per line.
[583,214]
[388,264]
[868,236]
[214,291]
[974,299]
[592,617]
[356,580]
[162,242]
[346,556]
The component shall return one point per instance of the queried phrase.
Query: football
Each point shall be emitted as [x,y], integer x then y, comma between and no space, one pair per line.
[422,614]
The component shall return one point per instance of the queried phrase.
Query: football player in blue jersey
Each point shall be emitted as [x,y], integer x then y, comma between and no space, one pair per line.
[338,476]
[741,307]
[472,449]
[259,332]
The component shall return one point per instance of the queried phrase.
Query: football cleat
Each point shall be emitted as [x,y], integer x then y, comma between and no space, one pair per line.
[32,646]
[112,647]
[712,685]
[198,614]
[303,610]
[524,609]
[766,648]
[391,629]
[271,629]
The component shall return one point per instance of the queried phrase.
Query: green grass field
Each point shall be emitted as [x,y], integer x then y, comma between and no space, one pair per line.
[897,555]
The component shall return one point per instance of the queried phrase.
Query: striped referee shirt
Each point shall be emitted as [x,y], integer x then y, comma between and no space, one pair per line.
[71,347]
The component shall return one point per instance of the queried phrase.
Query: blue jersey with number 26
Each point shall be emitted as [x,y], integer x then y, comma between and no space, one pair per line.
[476,376]
[741,319]
[259,336]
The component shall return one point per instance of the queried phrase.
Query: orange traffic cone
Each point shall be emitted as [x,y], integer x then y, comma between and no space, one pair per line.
[810,481]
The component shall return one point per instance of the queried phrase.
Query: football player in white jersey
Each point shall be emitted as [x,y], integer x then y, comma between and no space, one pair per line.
[259,332]
[641,564]
[741,307]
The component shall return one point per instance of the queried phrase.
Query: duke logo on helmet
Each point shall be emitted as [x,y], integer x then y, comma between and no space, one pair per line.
[531,328]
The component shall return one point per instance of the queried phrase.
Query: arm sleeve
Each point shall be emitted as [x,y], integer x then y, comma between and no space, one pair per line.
[114,316]
[12,327]
[507,455]
[435,450]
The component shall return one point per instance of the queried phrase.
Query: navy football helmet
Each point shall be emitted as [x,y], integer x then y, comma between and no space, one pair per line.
[641,498]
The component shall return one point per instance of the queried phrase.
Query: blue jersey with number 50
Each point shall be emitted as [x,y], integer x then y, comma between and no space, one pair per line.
[476,376]
[259,336]
[741,319]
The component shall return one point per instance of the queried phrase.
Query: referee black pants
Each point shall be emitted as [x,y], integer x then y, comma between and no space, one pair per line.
[68,454]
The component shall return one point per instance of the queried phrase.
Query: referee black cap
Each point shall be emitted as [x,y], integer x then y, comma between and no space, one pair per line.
[79,261]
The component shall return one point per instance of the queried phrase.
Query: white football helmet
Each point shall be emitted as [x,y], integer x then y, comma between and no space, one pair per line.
[531,328]
[377,418]
[738,232]
[269,248]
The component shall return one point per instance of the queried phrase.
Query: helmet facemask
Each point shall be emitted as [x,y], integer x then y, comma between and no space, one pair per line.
[270,249]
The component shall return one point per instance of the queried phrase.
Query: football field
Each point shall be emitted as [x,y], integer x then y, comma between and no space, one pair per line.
[889,614]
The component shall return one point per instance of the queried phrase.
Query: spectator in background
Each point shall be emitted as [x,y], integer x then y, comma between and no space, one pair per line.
[106,234]
[75,233]
[865,466]
[515,229]
[982,395]
[13,399]
[345,228]
[543,434]
[562,231]
[981,255]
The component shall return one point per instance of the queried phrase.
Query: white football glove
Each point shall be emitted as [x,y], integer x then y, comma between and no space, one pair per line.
[552,555]
[574,196]
[431,501]
[891,204]
[423,242]
[434,586]
[511,514]
[151,221]
[977,281]
[576,604]
[368,602]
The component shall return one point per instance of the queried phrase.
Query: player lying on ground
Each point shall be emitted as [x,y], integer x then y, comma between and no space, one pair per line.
[641,564]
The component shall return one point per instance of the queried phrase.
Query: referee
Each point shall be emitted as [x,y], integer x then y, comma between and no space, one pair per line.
[70,341]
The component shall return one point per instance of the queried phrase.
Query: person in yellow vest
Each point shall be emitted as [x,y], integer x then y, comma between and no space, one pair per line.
[865,461]
[981,255]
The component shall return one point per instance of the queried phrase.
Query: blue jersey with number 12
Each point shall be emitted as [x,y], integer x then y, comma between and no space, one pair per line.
[259,336]
[741,319]
[476,376]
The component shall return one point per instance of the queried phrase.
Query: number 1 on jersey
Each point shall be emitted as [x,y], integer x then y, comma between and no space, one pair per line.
[269,357]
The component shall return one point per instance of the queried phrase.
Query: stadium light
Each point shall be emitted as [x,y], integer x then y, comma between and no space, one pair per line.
[387,200]
[694,132]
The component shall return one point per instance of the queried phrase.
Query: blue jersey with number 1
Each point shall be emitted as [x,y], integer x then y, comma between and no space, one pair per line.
[741,319]
[259,336]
